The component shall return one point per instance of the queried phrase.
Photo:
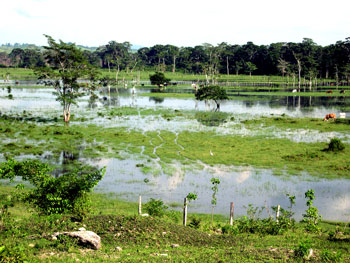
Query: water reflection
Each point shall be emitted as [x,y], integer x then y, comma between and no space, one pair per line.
[211,118]
[242,185]
[42,99]
[157,100]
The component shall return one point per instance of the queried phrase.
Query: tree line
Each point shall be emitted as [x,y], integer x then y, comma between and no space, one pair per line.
[305,59]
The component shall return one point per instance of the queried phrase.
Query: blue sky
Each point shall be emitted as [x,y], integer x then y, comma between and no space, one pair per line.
[177,22]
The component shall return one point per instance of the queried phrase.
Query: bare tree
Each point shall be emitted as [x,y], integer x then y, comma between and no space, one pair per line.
[282,66]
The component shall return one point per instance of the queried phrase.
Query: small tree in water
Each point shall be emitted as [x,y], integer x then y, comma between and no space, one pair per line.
[158,79]
[215,93]
[66,65]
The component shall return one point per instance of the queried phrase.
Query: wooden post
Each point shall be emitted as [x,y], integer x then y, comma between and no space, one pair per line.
[231,213]
[140,205]
[278,213]
[185,212]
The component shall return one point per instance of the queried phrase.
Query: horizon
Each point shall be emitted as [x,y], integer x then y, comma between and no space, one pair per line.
[137,46]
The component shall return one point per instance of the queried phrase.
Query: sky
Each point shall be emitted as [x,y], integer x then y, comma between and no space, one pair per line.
[177,22]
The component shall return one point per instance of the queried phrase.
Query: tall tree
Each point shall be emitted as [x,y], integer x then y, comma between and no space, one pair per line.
[282,66]
[67,65]
[173,52]
[16,56]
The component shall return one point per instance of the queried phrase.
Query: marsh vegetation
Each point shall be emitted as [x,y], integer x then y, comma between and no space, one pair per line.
[260,149]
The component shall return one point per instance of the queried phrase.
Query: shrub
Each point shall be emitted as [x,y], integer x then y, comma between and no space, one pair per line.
[311,217]
[195,222]
[335,145]
[51,195]
[156,207]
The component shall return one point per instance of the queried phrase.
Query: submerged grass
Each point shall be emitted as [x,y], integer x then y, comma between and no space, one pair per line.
[90,141]
[284,122]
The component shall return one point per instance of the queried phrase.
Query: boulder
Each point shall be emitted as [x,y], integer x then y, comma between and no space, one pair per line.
[88,238]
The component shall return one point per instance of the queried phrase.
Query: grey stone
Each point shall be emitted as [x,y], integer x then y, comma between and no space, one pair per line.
[85,237]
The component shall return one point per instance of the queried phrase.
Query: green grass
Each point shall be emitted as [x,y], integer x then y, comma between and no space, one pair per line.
[17,73]
[90,141]
[20,73]
[281,122]
[150,239]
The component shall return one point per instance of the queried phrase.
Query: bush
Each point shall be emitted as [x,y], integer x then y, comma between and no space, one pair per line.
[158,79]
[195,222]
[335,145]
[156,207]
[51,195]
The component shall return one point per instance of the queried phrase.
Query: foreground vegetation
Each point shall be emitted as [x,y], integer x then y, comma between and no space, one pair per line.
[126,237]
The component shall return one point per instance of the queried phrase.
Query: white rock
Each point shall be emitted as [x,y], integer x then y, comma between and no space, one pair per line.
[85,237]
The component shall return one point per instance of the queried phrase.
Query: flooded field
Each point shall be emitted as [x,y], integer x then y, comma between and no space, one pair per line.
[241,185]
[127,177]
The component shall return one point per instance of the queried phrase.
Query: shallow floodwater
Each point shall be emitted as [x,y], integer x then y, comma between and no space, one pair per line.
[241,185]
[42,103]
[294,106]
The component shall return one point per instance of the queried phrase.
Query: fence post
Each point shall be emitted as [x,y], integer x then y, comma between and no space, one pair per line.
[231,213]
[140,205]
[278,213]
[185,212]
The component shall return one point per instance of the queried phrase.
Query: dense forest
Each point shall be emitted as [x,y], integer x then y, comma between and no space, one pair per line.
[306,59]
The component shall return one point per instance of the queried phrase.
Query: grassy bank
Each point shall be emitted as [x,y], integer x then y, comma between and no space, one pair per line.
[126,237]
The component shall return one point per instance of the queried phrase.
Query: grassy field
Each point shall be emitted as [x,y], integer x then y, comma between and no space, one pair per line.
[25,236]
[21,73]
[17,73]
